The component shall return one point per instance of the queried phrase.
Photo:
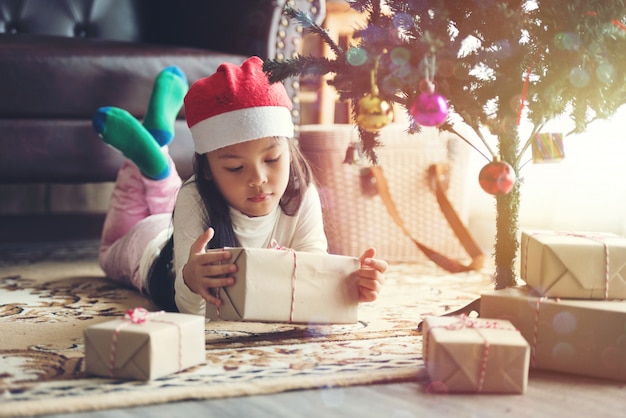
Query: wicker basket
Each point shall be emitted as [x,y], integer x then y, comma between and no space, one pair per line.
[356,219]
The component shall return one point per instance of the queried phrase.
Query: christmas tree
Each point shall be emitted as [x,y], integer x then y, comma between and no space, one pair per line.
[488,64]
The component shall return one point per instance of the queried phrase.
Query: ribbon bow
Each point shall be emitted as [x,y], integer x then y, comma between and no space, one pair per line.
[467,322]
[137,315]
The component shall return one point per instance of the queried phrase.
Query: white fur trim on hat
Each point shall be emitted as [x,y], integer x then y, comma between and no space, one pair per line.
[240,126]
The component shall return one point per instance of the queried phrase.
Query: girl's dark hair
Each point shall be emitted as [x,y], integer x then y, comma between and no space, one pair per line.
[218,215]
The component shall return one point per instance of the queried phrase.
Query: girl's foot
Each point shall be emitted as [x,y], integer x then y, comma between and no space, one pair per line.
[124,132]
[168,93]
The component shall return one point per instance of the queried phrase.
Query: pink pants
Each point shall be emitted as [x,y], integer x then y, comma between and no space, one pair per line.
[139,210]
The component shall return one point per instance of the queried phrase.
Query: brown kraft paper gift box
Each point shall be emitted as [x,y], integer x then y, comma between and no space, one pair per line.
[584,265]
[474,355]
[282,285]
[584,337]
[145,345]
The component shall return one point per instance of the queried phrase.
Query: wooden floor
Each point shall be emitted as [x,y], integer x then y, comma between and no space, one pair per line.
[548,395]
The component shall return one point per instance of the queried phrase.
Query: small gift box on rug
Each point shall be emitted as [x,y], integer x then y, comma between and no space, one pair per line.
[585,337]
[574,264]
[145,345]
[474,355]
[282,285]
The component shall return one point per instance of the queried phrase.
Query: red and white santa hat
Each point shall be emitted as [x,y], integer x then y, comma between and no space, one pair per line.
[237,104]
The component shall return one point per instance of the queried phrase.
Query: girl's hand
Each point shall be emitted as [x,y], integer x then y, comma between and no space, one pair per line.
[204,270]
[370,276]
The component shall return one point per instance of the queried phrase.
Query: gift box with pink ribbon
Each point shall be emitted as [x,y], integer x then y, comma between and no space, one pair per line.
[283,285]
[465,354]
[585,265]
[584,337]
[144,345]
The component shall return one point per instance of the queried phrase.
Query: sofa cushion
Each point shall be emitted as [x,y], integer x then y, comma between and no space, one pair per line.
[72,77]
[69,151]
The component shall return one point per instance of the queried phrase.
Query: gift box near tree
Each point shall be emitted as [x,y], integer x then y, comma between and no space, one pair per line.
[577,336]
[479,355]
[569,264]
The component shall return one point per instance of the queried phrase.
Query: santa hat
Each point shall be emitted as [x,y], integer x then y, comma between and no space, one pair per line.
[237,104]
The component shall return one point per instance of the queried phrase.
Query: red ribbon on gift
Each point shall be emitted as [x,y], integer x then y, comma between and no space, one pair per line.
[276,246]
[466,322]
[597,238]
[533,346]
[139,316]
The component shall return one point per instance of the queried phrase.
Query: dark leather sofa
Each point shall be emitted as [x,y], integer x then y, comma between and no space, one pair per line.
[60,60]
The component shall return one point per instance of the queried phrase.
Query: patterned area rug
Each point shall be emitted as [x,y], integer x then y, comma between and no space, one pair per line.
[47,298]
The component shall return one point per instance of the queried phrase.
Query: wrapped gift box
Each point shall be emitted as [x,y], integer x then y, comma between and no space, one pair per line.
[144,345]
[475,355]
[585,337]
[574,264]
[281,285]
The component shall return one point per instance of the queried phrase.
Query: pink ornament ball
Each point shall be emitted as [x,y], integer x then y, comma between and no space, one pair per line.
[429,109]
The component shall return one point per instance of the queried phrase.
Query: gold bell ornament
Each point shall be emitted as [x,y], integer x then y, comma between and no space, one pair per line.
[373,113]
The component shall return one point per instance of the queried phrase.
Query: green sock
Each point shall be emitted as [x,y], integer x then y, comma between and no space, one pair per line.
[124,132]
[168,93]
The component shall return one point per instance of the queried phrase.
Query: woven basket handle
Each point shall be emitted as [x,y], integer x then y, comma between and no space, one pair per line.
[436,176]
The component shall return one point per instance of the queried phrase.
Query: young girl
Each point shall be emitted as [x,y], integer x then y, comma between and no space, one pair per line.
[251,187]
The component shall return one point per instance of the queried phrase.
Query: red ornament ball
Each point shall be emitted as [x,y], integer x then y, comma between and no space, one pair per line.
[497,177]
[429,109]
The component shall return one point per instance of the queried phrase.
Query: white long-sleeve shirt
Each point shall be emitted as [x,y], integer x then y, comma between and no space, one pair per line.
[303,231]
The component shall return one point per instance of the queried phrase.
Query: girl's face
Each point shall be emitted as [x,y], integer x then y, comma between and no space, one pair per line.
[252,176]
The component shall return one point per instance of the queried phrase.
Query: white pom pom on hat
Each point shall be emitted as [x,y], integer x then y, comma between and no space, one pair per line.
[237,104]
